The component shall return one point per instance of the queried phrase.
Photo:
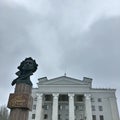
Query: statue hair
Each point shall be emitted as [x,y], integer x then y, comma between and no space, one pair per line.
[34,64]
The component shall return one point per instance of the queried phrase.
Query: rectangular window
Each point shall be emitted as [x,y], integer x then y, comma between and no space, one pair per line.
[81,116]
[92,100]
[93,108]
[46,107]
[48,97]
[81,107]
[76,107]
[66,107]
[101,117]
[35,99]
[79,98]
[45,116]
[93,117]
[34,107]
[60,107]
[66,115]
[33,116]
[100,108]
[63,98]
[99,99]
[59,117]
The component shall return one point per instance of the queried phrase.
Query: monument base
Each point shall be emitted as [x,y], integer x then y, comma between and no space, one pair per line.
[19,114]
[20,102]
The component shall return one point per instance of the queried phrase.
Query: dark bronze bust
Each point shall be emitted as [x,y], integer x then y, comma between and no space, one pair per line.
[26,69]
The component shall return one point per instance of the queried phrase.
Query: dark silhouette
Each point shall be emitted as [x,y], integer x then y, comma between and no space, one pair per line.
[26,69]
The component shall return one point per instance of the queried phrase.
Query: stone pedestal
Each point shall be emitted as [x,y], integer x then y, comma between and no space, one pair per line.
[20,102]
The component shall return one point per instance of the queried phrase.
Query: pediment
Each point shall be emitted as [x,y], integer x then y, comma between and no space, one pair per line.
[62,81]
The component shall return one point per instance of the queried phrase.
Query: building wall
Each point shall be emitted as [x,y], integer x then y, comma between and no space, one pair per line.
[103,101]
[106,112]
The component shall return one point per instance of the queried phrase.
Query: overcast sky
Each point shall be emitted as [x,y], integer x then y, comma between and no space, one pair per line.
[79,37]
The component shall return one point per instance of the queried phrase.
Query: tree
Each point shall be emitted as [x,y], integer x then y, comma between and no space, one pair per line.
[3,113]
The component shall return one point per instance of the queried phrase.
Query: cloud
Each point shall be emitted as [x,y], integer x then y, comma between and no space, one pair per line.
[80,14]
[80,37]
[96,51]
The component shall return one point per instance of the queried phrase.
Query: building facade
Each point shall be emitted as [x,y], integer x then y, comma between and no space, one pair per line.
[66,98]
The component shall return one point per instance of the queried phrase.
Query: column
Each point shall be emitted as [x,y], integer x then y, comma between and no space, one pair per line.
[39,107]
[71,107]
[55,107]
[114,108]
[88,111]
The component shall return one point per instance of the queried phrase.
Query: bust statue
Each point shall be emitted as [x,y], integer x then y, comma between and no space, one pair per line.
[26,69]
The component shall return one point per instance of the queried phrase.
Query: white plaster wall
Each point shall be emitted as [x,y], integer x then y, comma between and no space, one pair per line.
[105,94]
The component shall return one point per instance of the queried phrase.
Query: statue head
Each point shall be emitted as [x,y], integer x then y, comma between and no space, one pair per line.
[28,65]
[26,69]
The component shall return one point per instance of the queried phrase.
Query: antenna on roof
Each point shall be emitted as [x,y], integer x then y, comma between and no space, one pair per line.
[65,74]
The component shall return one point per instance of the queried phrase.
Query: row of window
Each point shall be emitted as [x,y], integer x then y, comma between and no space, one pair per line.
[99,99]
[59,116]
[61,107]
[77,107]
[100,108]
[78,98]
[94,117]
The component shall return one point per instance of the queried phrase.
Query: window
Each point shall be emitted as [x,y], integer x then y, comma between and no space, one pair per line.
[46,107]
[63,98]
[79,98]
[100,108]
[93,117]
[93,108]
[99,99]
[101,117]
[48,98]
[60,107]
[81,116]
[45,116]
[76,107]
[35,99]
[33,116]
[66,107]
[34,107]
[81,107]
[59,117]
[92,100]
[66,115]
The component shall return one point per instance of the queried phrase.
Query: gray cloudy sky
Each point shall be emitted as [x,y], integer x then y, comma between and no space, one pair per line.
[80,37]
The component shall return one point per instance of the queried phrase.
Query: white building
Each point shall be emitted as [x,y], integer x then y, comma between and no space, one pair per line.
[66,98]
